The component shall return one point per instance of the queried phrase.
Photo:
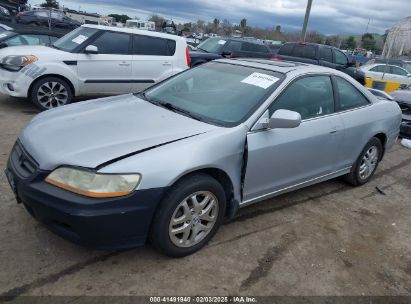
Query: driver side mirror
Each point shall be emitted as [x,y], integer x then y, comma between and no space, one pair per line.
[227,54]
[281,119]
[91,49]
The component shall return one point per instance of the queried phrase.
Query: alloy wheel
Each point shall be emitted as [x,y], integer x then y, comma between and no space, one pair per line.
[369,162]
[193,219]
[52,94]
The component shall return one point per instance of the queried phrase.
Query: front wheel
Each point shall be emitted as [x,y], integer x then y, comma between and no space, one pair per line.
[50,92]
[366,164]
[189,216]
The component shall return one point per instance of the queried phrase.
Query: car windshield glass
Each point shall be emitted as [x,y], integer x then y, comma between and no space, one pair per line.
[218,93]
[212,45]
[6,35]
[73,39]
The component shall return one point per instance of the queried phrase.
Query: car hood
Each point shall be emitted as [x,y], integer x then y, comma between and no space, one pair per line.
[36,50]
[402,96]
[95,132]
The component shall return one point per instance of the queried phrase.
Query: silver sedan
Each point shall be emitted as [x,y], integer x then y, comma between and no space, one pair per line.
[171,162]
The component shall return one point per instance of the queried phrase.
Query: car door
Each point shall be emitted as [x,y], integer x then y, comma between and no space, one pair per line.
[152,61]
[108,71]
[399,75]
[281,158]
[340,60]
[377,71]
[353,108]
[326,57]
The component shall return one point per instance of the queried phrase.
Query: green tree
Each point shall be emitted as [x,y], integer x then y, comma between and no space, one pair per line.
[216,23]
[50,4]
[349,43]
[368,41]
[243,25]
[120,18]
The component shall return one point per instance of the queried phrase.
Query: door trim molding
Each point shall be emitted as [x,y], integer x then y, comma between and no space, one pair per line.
[296,186]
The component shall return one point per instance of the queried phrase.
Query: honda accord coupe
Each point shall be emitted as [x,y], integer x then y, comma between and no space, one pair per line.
[169,163]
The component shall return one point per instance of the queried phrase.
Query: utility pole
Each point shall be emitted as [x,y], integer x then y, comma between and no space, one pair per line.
[307,16]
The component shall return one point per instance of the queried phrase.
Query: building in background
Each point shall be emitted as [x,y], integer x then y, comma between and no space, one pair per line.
[398,42]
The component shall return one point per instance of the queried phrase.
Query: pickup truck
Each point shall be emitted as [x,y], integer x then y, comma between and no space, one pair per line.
[320,54]
[215,48]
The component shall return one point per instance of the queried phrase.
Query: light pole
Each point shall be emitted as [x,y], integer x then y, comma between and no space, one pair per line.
[307,16]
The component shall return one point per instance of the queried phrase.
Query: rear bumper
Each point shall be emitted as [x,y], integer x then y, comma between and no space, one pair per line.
[100,223]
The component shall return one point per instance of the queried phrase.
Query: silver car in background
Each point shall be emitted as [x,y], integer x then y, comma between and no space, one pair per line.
[171,162]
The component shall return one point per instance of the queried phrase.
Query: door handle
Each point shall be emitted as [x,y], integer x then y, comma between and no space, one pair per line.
[166,63]
[334,130]
[124,64]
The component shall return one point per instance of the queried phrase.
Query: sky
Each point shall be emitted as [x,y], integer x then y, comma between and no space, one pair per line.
[327,16]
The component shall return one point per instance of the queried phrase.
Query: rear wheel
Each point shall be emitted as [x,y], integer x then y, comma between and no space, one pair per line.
[50,92]
[188,216]
[366,164]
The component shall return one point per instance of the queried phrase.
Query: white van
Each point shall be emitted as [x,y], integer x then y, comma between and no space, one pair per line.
[142,25]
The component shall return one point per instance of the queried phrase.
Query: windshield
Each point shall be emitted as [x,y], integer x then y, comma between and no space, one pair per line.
[212,45]
[6,35]
[73,39]
[217,93]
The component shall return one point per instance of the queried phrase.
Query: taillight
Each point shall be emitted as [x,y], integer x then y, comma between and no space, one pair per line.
[188,58]
[276,58]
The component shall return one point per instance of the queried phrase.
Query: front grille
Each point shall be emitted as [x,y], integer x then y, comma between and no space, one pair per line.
[22,162]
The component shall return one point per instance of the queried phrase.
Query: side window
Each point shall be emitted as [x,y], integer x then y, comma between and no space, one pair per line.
[397,71]
[53,39]
[112,43]
[145,45]
[304,51]
[340,58]
[326,54]
[233,46]
[42,14]
[286,49]
[349,96]
[378,68]
[310,96]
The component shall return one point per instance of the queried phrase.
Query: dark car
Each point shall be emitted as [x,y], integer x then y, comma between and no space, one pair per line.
[4,14]
[403,98]
[215,48]
[42,17]
[320,54]
[28,37]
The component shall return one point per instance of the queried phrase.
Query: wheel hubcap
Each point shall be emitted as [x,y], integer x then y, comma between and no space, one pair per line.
[193,219]
[52,94]
[369,162]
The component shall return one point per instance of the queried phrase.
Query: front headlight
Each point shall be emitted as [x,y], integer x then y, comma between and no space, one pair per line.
[93,184]
[16,62]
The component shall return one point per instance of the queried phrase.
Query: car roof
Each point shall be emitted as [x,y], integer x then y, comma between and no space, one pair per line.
[281,66]
[133,31]
[37,32]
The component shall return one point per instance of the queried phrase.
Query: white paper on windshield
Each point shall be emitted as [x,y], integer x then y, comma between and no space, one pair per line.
[3,35]
[260,80]
[79,39]
[221,41]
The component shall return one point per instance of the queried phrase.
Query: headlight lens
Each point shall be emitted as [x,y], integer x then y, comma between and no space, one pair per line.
[93,184]
[16,62]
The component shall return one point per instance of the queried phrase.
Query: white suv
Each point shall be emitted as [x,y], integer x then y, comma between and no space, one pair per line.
[91,60]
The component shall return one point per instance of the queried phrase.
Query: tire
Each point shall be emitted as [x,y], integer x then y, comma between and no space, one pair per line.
[196,231]
[374,150]
[44,93]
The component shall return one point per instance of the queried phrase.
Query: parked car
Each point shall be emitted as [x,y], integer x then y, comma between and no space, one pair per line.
[403,98]
[91,60]
[388,72]
[403,63]
[215,48]
[42,17]
[171,162]
[320,54]
[28,37]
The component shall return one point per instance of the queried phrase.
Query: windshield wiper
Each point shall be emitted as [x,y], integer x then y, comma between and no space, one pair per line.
[173,108]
